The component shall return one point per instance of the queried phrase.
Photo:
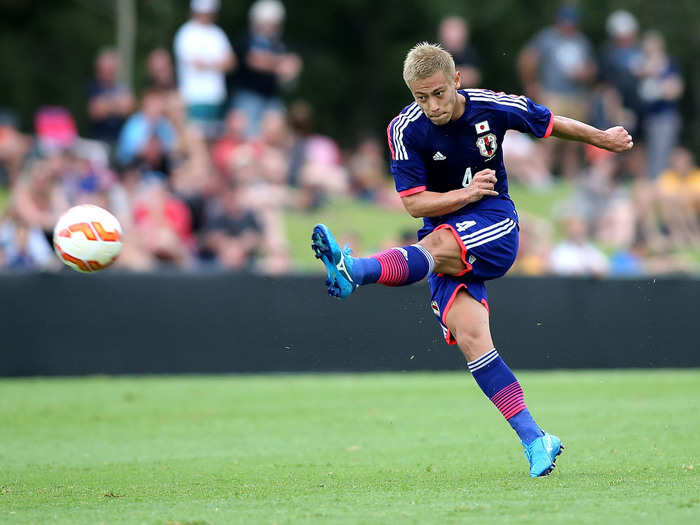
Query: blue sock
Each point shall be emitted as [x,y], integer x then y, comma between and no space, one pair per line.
[499,384]
[395,267]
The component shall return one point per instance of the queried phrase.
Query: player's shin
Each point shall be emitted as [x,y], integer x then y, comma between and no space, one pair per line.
[499,384]
[394,267]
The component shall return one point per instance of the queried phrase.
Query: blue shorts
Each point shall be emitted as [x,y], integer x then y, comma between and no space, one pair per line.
[489,241]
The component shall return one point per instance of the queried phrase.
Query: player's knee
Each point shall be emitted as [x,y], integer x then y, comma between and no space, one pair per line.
[470,338]
[441,244]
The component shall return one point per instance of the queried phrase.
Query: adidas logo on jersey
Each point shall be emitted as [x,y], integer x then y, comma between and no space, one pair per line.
[439,156]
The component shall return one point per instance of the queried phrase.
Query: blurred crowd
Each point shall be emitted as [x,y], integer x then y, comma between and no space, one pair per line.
[201,167]
[631,214]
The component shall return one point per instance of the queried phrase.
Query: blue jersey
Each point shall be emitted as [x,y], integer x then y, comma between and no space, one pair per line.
[425,156]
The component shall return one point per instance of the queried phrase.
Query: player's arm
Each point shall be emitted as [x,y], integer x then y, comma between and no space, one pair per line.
[434,204]
[615,139]
[524,115]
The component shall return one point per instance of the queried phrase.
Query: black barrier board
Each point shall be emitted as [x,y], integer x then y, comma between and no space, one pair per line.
[229,323]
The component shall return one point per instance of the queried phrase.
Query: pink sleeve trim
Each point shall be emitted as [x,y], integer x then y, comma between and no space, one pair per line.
[412,191]
[389,139]
[550,127]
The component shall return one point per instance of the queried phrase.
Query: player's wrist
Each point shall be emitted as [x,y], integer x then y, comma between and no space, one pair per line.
[601,139]
[470,195]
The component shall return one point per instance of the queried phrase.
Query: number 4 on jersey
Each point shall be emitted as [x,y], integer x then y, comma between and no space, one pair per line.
[465,225]
[467,177]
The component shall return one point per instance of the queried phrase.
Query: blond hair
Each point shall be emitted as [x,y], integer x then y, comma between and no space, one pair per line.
[424,60]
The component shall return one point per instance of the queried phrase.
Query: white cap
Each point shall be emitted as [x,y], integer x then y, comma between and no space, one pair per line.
[621,23]
[204,6]
[270,11]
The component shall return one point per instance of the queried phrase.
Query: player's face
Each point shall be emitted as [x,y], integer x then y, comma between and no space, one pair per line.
[437,97]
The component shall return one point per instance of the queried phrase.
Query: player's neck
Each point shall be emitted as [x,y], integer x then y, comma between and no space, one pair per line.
[460,107]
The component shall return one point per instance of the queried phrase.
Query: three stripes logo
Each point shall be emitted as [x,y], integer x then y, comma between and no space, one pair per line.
[397,127]
[485,95]
[488,234]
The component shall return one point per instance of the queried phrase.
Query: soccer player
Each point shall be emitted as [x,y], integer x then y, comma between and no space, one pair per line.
[448,167]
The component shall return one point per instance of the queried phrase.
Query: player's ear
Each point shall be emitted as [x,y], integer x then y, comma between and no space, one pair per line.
[458,79]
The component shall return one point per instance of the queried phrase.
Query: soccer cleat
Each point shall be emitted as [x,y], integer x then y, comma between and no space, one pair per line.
[542,454]
[338,262]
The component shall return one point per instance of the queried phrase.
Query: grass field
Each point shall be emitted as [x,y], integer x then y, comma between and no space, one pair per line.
[390,448]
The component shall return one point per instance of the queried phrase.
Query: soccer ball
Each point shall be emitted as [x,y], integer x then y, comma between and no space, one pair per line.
[87,238]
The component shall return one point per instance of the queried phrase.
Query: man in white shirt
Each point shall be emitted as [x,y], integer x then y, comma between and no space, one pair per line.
[204,55]
[576,255]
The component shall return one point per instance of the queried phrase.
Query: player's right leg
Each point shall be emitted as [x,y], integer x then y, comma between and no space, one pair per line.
[468,323]
[438,252]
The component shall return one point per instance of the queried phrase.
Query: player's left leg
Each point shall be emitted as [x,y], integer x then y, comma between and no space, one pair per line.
[438,252]
[468,323]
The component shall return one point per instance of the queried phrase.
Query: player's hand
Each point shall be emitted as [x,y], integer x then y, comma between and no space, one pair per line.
[617,139]
[482,184]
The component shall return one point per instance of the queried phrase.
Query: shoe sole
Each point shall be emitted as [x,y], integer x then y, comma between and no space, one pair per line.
[549,470]
[322,250]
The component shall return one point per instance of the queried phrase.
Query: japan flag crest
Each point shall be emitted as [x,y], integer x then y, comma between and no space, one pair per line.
[487,145]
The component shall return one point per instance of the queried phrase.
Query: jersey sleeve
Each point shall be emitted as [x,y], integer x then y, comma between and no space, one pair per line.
[407,165]
[522,114]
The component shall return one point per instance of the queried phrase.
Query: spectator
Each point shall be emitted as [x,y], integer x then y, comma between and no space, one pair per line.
[163,223]
[268,193]
[266,64]
[525,160]
[232,234]
[679,199]
[454,37]
[367,170]
[55,129]
[203,55]
[627,262]
[109,101]
[224,151]
[556,68]
[23,246]
[621,61]
[602,203]
[161,74]
[534,246]
[576,254]
[607,108]
[148,136]
[14,147]
[191,174]
[316,166]
[660,89]
[38,197]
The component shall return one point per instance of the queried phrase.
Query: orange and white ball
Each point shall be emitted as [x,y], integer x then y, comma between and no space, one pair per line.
[87,238]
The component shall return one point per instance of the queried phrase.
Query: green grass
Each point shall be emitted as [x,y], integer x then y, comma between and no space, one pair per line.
[390,448]
[544,203]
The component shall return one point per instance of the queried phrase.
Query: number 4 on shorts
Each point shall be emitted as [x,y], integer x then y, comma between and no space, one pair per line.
[464,225]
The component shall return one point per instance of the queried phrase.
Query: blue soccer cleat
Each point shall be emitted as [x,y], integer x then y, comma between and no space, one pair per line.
[338,262]
[542,454]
